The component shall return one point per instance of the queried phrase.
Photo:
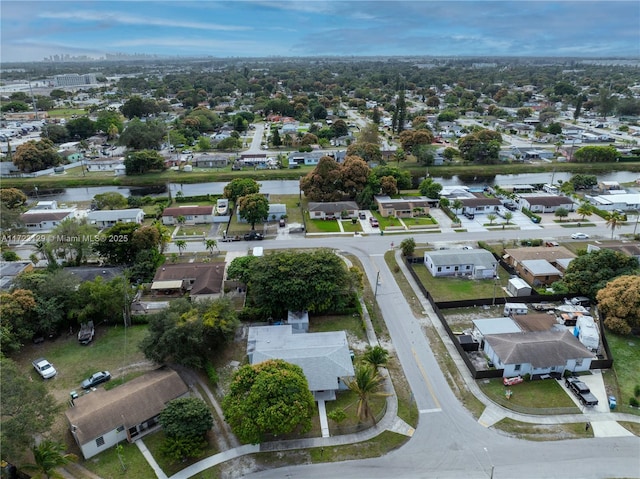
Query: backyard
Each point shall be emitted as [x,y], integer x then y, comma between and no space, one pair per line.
[626,355]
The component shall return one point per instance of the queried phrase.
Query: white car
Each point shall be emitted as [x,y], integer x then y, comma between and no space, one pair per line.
[580,236]
[44,368]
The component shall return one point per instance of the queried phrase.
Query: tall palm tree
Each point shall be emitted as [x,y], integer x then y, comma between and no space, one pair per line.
[181,244]
[366,384]
[164,235]
[491,217]
[48,456]
[210,244]
[585,209]
[614,220]
[376,356]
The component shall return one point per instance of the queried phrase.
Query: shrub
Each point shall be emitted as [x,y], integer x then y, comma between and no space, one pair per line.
[337,415]
[211,373]
[633,402]
[636,391]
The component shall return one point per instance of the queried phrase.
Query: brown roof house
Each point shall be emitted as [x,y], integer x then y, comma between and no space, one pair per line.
[192,215]
[539,265]
[480,204]
[200,280]
[101,419]
[403,207]
[537,352]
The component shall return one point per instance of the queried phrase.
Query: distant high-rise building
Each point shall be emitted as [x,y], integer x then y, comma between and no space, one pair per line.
[74,79]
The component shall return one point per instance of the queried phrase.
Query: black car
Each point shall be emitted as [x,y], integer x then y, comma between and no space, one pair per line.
[253,235]
[95,379]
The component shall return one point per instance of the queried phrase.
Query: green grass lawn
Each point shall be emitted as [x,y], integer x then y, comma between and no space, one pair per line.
[66,112]
[388,221]
[351,227]
[348,402]
[112,348]
[421,220]
[191,230]
[154,442]
[294,211]
[108,465]
[322,226]
[626,356]
[451,289]
[529,394]
[352,325]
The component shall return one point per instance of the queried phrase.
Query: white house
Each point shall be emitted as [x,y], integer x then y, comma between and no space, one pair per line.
[191,214]
[106,164]
[324,357]
[101,419]
[546,203]
[332,210]
[45,220]
[108,218]
[538,352]
[477,263]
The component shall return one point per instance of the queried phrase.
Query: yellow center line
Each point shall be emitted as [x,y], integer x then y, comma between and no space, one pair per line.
[426,379]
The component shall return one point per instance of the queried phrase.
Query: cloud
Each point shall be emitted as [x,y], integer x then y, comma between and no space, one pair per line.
[126,19]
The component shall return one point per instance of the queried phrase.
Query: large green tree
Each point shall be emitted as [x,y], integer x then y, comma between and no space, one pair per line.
[27,410]
[75,239]
[81,128]
[186,417]
[239,187]
[141,162]
[187,333]
[317,281]
[17,313]
[253,208]
[111,200]
[140,135]
[271,397]
[36,155]
[107,119]
[12,197]
[589,273]
[481,146]
[596,154]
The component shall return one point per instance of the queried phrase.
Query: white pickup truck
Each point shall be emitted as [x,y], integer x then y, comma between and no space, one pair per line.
[44,368]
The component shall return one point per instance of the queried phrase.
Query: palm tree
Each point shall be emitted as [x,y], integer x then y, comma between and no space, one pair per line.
[181,244]
[614,220]
[164,235]
[457,204]
[48,456]
[366,384]
[491,217]
[376,356]
[508,216]
[585,209]
[210,244]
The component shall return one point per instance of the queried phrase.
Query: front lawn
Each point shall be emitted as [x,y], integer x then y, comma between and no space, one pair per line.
[352,325]
[452,289]
[322,226]
[420,220]
[194,230]
[130,463]
[539,394]
[626,364]
[351,227]
[154,443]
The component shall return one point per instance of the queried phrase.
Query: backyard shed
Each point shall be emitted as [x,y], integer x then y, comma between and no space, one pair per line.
[518,287]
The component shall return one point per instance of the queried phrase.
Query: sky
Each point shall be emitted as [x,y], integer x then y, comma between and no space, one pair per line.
[31,31]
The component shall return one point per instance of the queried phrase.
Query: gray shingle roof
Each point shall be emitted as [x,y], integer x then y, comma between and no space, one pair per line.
[541,349]
[114,215]
[477,257]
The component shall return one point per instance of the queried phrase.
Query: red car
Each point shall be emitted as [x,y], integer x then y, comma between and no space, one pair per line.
[373,222]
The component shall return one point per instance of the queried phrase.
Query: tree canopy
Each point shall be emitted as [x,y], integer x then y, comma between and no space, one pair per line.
[481,146]
[139,162]
[271,397]
[186,417]
[254,208]
[27,410]
[589,273]
[36,155]
[187,333]
[140,135]
[596,154]
[240,187]
[619,302]
[330,181]
[316,281]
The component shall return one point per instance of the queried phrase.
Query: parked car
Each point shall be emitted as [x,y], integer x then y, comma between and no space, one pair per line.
[282,223]
[362,215]
[581,391]
[581,301]
[253,235]
[373,222]
[44,368]
[96,379]
[580,236]
[552,244]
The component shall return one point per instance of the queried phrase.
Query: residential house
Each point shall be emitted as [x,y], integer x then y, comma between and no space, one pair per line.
[480,204]
[106,164]
[10,269]
[200,280]
[628,249]
[192,215]
[545,203]
[45,220]
[477,263]
[108,218]
[102,418]
[404,207]
[617,201]
[332,210]
[539,272]
[71,156]
[537,353]
[276,212]
[535,321]
[210,161]
[324,357]
[45,205]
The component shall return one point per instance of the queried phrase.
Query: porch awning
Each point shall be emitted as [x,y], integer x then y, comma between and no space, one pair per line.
[171,284]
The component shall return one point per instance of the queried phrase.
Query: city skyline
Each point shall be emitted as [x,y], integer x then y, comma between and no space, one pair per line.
[32,31]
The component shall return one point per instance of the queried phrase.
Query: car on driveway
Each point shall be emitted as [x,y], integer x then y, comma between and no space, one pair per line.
[44,368]
[373,222]
[362,215]
[96,379]
[580,236]
[581,391]
[253,235]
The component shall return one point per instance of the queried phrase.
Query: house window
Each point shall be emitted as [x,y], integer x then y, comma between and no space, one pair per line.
[517,367]
[439,269]
[100,441]
[579,362]
[120,429]
[468,267]
[456,268]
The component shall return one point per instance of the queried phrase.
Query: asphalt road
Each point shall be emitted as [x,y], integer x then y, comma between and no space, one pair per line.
[449,442]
